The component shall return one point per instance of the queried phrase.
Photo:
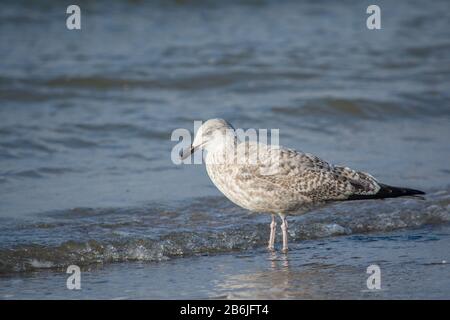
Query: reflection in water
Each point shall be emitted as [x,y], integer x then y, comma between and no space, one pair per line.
[271,281]
[275,258]
[282,277]
[301,274]
[279,266]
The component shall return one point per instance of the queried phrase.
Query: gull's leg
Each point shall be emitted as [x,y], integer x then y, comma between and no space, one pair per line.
[284,228]
[273,229]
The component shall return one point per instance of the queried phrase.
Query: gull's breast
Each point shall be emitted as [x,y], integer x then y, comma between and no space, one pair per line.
[226,179]
[249,192]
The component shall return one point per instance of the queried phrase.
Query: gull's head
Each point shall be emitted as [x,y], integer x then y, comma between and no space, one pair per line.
[210,134]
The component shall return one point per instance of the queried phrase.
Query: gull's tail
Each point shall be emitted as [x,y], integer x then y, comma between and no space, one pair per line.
[387,192]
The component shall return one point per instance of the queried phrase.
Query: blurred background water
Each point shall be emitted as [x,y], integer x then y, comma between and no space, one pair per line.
[86,118]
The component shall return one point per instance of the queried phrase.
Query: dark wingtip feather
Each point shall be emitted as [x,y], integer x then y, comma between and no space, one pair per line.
[388,192]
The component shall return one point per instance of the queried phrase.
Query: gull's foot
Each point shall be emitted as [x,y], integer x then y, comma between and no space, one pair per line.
[270,248]
[285,250]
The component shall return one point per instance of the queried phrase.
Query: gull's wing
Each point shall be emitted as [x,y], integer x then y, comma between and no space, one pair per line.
[296,173]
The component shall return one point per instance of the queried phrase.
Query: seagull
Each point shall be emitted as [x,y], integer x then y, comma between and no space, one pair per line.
[277,180]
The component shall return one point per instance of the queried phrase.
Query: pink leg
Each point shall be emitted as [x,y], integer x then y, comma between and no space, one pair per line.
[284,228]
[273,229]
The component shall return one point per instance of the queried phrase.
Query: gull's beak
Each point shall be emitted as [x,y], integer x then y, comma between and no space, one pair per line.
[190,150]
[187,152]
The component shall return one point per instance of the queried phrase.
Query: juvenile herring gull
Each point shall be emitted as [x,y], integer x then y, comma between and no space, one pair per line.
[277,180]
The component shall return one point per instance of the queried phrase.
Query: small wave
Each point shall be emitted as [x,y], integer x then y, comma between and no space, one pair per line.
[38,172]
[56,170]
[73,143]
[26,144]
[183,238]
[136,156]
[26,174]
[354,109]
[121,129]
[27,96]
[428,50]
[199,81]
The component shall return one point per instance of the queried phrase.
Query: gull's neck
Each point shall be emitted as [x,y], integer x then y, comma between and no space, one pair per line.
[221,149]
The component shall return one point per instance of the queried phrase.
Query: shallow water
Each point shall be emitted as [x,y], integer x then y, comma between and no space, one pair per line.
[207,226]
[414,264]
[86,119]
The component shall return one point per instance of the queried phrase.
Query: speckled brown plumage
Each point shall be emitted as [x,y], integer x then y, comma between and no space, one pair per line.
[282,180]
[278,180]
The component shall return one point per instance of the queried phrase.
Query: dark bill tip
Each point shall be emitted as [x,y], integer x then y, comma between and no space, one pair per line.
[186,152]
